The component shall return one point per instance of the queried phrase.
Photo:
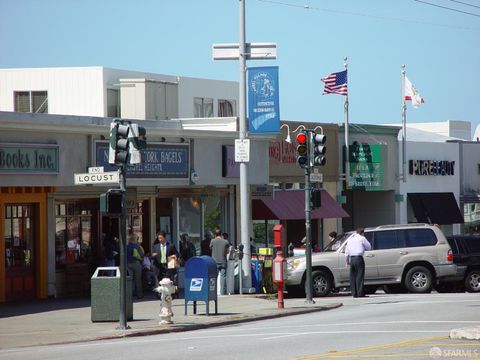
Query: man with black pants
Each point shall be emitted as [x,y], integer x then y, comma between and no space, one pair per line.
[356,246]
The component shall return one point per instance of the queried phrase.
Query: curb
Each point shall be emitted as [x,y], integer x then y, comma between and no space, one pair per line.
[184,328]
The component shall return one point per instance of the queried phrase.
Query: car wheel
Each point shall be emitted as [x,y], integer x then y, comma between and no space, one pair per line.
[472,281]
[418,280]
[321,283]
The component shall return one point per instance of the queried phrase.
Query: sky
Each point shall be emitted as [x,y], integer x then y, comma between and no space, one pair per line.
[440,48]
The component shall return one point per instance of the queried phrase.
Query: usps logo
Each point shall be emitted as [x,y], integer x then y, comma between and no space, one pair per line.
[196,284]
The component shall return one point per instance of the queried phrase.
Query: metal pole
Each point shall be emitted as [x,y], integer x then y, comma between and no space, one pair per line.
[244,208]
[308,235]
[122,325]
[404,129]
[347,155]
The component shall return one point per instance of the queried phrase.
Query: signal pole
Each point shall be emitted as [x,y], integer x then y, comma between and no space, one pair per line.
[308,234]
[122,323]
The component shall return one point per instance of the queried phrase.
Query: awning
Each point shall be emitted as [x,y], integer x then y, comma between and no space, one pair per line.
[290,205]
[436,208]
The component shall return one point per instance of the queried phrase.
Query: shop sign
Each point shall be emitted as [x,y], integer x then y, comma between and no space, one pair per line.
[29,158]
[282,152]
[159,161]
[262,192]
[366,167]
[431,167]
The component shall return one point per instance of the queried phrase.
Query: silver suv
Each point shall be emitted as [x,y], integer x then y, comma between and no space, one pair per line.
[413,255]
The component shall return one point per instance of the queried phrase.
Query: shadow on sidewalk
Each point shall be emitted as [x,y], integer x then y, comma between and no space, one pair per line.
[39,306]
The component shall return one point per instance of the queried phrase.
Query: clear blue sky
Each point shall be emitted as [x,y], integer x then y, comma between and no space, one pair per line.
[440,48]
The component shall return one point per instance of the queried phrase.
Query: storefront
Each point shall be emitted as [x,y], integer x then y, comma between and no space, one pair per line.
[370,196]
[52,231]
[431,191]
[469,173]
[287,175]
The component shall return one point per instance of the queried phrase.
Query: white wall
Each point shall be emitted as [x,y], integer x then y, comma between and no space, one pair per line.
[430,183]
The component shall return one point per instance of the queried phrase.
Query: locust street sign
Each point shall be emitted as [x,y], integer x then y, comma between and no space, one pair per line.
[110,177]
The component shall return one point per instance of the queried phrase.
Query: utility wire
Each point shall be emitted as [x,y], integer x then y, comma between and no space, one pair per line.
[447,8]
[464,3]
[308,7]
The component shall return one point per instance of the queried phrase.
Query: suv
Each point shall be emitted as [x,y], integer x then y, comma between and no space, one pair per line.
[413,255]
[466,255]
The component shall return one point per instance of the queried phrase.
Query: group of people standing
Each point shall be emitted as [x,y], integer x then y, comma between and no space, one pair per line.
[163,261]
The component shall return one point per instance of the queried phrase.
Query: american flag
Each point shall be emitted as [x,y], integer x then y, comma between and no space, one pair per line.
[336,83]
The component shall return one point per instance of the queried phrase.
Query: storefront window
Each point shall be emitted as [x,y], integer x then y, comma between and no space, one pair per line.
[189,219]
[471,214]
[19,237]
[73,236]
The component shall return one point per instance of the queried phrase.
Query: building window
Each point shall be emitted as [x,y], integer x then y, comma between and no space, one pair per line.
[31,101]
[73,236]
[202,107]
[226,108]
[113,103]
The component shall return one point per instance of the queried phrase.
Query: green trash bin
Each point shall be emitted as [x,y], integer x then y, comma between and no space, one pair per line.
[105,295]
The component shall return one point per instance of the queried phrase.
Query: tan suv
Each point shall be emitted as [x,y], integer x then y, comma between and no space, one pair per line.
[413,255]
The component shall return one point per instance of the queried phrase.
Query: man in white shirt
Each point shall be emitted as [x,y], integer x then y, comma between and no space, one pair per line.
[356,246]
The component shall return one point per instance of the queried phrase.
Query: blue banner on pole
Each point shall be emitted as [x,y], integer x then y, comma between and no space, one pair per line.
[263,100]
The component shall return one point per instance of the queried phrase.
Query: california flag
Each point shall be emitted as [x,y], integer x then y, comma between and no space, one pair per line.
[411,93]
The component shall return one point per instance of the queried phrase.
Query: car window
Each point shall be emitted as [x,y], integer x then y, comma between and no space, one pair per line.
[369,236]
[390,239]
[338,242]
[420,237]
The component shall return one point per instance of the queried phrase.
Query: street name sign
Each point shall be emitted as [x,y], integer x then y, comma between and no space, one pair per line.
[110,177]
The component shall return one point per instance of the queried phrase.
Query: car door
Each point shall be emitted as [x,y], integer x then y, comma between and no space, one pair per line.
[389,249]
[370,257]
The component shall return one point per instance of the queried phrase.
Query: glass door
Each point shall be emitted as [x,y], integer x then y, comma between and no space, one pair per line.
[19,238]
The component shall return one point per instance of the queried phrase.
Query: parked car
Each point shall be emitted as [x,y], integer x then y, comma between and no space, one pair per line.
[466,255]
[416,256]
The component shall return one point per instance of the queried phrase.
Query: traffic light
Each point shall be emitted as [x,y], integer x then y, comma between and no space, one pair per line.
[111,202]
[137,142]
[318,149]
[315,198]
[119,144]
[302,149]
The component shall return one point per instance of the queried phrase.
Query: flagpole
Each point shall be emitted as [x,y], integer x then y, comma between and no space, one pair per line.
[404,128]
[347,155]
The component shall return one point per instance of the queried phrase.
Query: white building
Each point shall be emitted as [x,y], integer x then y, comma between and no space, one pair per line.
[105,92]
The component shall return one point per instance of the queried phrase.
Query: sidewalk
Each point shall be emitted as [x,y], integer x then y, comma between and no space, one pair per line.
[69,320]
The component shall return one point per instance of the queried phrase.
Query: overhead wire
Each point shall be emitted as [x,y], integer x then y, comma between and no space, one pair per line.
[467,4]
[309,7]
[447,8]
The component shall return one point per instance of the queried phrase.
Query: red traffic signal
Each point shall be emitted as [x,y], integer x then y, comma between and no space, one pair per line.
[302,149]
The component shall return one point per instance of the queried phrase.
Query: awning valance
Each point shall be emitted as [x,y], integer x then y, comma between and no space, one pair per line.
[290,205]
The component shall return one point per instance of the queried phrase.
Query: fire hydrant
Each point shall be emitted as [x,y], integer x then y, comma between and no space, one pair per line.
[166,290]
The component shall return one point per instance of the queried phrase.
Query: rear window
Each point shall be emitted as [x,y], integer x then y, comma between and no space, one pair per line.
[420,237]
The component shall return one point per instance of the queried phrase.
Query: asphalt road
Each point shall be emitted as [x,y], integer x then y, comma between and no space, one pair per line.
[402,326]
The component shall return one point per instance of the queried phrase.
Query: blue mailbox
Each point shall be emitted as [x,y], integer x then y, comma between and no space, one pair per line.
[201,282]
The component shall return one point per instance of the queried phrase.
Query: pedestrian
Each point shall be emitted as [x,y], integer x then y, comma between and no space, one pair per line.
[205,244]
[187,249]
[332,236]
[134,264]
[164,255]
[356,246]
[147,271]
[219,247]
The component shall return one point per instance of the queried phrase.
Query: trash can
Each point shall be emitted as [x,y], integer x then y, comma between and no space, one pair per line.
[181,283]
[105,295]
[201,282]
